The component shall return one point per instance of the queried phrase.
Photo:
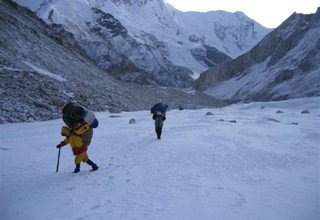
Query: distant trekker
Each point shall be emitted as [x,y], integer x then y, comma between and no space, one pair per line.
[159,116]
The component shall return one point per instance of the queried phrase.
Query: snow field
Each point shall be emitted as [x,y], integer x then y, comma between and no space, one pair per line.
[264,166]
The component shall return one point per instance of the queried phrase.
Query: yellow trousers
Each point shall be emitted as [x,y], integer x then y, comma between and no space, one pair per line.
[81,158]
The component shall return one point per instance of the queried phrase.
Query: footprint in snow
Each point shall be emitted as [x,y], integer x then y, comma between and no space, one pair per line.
[95,207]
[273,120]
[239,200]
[217,188]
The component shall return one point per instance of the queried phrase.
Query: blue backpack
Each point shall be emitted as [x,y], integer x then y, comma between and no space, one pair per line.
[159,107]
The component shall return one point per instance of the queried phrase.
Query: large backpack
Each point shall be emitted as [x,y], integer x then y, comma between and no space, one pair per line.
[73,114]
[159,107]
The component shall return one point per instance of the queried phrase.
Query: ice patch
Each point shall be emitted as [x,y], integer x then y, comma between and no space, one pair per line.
[45,72]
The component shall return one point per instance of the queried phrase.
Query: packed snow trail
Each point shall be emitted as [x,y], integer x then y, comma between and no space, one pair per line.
[244,162]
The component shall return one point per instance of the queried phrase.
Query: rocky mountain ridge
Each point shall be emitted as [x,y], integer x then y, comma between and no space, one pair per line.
[285,64]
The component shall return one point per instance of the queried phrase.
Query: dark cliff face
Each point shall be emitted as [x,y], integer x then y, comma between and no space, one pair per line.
[285,53]
[108,21]
[210,56]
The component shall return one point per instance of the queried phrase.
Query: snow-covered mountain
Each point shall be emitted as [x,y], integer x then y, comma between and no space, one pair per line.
[148,41]
[285,64]
[41,69]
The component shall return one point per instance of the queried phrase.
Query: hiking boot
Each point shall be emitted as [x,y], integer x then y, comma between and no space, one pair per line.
[93,165]
[77,168]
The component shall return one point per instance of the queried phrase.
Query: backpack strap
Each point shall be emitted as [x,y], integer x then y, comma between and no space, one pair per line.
[81,129]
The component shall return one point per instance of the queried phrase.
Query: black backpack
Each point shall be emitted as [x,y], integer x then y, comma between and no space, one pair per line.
[73,114]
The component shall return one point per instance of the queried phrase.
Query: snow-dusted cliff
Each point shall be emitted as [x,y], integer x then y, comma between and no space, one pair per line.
[285,64]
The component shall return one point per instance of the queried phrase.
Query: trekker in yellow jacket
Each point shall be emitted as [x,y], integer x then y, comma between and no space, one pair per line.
[79,139]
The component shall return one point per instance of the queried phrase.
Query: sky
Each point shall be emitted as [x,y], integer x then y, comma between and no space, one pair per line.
[269,13]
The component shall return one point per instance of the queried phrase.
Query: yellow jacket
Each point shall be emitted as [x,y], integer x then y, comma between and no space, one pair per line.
[75,138]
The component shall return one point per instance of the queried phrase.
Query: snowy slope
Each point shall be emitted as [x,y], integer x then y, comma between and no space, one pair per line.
[265,166]
[32,4]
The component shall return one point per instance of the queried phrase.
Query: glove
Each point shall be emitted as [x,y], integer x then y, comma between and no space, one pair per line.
[61,144]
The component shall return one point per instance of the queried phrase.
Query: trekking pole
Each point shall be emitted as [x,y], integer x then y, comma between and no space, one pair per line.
[58,160]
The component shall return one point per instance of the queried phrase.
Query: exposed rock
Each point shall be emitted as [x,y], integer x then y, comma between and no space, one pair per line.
[209,56]
[114,110]
[132,121]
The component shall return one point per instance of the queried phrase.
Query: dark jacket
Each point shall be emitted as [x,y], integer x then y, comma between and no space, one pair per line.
[159,114]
